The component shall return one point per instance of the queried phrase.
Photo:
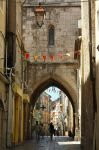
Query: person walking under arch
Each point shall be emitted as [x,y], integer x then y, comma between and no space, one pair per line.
[37,130]
[51,130]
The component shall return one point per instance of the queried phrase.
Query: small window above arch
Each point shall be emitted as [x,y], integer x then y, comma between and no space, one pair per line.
[51,35]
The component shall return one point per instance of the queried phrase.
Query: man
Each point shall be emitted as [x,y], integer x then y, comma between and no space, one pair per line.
[51,130]
[37,130]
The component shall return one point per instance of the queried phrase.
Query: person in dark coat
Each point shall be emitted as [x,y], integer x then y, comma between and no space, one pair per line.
[51,130]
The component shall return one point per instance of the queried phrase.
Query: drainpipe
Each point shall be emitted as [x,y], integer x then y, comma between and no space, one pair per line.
[11,33]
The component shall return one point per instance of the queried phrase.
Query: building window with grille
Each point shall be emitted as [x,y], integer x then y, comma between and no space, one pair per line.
[51,38]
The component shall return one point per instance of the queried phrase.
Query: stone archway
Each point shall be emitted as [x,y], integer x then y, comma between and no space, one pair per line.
[62,85]
[63,76]
[54,81]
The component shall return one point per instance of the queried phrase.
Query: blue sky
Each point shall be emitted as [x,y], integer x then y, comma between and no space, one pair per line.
[53,92]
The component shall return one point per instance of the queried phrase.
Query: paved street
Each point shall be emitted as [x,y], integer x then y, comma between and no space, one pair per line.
[58,143]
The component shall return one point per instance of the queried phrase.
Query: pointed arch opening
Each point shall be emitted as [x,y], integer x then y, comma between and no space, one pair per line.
[45,85]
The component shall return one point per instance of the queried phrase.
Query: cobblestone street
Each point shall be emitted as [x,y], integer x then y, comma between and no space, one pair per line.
[58,143]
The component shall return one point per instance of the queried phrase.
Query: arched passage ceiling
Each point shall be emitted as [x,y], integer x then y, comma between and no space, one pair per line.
[51,81]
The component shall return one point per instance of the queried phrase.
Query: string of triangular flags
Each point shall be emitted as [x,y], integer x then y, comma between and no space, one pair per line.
[52,57]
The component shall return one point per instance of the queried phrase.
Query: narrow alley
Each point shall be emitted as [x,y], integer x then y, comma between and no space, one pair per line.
[58,143]
[49,74]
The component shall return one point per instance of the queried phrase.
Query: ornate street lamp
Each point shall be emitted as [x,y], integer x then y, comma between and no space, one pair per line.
[39,14]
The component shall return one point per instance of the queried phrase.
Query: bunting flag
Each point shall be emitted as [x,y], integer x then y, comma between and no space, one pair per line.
[27,56]
[35,57]
[60,54]
[44,57]
[67,54]
[52,57]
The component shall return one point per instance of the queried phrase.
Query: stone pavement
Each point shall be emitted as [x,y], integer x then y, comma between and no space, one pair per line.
[58,143]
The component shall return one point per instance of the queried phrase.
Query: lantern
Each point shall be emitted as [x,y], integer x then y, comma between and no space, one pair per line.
[39,14]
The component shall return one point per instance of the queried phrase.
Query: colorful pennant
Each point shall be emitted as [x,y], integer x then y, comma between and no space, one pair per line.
[35,57]
[52,57]
[44,57]
[27,55]
[60,54]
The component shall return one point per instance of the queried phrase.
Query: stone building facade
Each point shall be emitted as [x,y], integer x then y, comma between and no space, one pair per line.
[20,106]
[88,85]
[63,20]
[3,81]
[18,100]
[51,48]
[41,112]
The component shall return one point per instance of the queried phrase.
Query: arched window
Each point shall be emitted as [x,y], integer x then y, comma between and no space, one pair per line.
[51,35]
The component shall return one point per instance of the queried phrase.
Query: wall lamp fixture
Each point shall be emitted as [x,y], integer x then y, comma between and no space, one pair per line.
[39,14]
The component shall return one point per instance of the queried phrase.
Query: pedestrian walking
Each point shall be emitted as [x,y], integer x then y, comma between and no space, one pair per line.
[42,130]
[37,130]
[51,130]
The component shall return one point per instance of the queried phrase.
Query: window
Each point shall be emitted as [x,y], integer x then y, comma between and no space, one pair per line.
[51,35]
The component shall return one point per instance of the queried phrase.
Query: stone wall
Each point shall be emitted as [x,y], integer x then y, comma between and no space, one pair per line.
[87,89]
[65,22]
[61,71]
